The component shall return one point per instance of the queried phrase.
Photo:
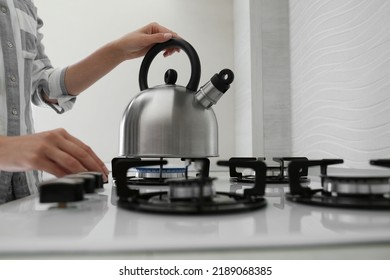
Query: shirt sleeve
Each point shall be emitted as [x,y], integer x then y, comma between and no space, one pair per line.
[49,80]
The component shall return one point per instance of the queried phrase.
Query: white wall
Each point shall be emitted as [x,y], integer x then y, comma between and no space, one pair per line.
[340,61]
[73,29]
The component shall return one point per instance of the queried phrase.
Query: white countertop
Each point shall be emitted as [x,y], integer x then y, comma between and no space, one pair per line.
[97,228]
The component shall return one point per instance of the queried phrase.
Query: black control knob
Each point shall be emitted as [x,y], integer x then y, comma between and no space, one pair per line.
[89,181]
[99,183]
[62,191]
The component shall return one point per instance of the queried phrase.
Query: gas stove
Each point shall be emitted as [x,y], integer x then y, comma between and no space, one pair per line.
[130,221]
[196,195]
[148,185]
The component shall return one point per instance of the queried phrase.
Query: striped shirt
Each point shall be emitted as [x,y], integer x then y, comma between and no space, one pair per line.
[25,72]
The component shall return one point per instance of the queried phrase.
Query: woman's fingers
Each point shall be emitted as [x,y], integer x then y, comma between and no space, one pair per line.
[70,155]
[56,152]
[85,154]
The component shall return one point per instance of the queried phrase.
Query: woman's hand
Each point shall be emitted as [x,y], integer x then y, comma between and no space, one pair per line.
[137,43]
[56,152]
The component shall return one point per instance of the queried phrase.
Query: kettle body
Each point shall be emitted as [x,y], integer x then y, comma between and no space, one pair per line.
[166,122]
[173,121]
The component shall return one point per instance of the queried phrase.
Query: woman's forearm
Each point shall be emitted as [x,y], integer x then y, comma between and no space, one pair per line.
[83,74]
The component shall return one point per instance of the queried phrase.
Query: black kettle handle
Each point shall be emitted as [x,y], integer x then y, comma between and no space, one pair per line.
[172,43]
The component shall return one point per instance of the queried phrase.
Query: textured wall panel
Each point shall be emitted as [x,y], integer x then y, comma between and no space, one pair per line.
[340,79]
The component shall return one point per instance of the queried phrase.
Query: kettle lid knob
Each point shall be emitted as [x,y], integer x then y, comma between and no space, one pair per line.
[170,77]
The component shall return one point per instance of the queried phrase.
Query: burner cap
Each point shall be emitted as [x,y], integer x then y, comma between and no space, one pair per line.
[194,188]
[356,185]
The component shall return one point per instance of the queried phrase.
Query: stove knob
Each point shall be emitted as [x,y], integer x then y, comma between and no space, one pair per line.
[62,190]
[89,181]
[98,179]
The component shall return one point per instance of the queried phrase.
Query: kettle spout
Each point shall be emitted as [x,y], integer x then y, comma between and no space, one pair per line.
[212,91]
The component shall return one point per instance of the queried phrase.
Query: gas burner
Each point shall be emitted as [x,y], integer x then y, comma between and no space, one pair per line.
[160,173]
[356,186]
[189,195]
[155,176]
[274,174]
[363,192]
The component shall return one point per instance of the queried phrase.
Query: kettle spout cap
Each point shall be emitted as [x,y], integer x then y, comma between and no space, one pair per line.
[212,91]
[222,80]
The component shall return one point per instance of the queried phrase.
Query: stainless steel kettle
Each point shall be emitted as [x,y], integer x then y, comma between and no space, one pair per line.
[173,121]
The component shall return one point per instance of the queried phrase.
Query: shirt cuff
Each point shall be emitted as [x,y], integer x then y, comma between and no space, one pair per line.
[55,89]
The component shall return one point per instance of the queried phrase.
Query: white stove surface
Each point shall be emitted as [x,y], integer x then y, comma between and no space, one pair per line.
[97,226]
